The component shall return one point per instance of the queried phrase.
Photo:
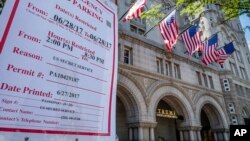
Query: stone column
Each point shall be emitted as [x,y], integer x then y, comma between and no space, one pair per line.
[225,134]
[191,135]
[140,129]
[130,134]
[181,136]
[185,135]
[152,134]
[215,136]
[199,135]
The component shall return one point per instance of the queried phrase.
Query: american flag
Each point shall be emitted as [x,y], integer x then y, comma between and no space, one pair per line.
[225,52]
[169,30]
[135,11]
[209,50]
[191,38]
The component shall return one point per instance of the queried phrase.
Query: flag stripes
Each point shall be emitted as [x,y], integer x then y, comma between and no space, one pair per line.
[209,52]
[169,30]
[191,39]
[135,11]
[225,52]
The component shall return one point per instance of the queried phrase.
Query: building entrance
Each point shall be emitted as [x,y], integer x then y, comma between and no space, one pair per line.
[206,131]
[166,118]
[121,121]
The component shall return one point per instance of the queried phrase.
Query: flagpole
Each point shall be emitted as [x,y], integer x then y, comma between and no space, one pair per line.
[158,22]
[225,44]
[164,18]
[124,14]
[185,29]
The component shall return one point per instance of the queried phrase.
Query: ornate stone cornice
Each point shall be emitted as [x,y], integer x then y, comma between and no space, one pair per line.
[143,124]
[220,130]
[193,128]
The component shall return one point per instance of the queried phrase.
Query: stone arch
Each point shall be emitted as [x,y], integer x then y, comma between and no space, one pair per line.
[128,102]
[138,84]
[174,97]
[156,85]
[132,98]
[200,94]
[216,116]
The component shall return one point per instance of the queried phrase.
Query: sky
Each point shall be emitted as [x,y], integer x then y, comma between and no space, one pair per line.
[245,21]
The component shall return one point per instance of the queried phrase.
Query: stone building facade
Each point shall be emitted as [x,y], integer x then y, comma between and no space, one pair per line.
[205,99]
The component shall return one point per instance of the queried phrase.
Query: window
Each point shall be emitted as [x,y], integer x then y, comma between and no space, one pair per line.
[248,92]
[205,79]
[234,120]
[128,55]
[197,54]
[168,68]
[159,65]
[244,113]
[211,82]
[234,69]
[141,31]
[186,20]
[226,85]
[231,108]
[119,51]
[237,87]
[137,30]
[199,77]
[177,71]
[243,73]
[231,66]
[138,25]
[239,57]
[133,28]
[241,91]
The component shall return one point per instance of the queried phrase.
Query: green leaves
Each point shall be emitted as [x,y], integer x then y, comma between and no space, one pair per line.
[229,8]
[153,15]
[191,8]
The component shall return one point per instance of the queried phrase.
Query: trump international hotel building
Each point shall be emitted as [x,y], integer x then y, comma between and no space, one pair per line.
[172,97]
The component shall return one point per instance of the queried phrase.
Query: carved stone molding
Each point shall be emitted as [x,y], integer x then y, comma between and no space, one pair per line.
[143,124]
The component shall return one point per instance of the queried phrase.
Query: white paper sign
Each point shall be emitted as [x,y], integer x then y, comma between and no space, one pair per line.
[58,70]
